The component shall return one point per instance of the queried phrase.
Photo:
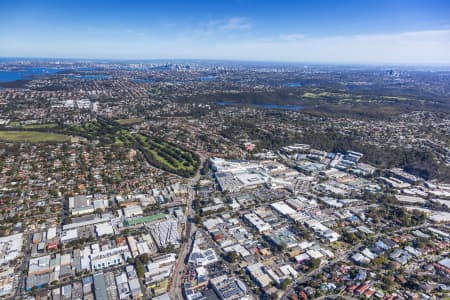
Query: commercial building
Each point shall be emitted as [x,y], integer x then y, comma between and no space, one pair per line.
[259,275]
[69,235]
[104,229]
[110,257]
[257,222]
[166,232]
[282,208]
[100,286]
[200,257]
[144,220]
[160,268]
[10,247]
[227,288]
[132,211]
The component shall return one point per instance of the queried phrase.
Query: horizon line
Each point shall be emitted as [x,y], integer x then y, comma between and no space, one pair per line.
[380,64]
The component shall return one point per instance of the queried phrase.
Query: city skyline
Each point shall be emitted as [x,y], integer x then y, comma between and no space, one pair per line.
[373,32]
[225,150]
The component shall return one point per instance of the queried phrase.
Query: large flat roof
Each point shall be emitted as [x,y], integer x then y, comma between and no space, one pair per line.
[145,219]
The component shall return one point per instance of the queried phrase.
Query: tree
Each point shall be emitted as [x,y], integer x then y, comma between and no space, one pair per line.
[144,258]
[281,247]
[314,263]
[350,238]
[285,284]
[140,268]
[168,249]
[380,260]
[53,192]
[231,256]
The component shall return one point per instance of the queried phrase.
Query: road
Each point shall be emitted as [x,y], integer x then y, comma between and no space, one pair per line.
[175,289]
[20,271]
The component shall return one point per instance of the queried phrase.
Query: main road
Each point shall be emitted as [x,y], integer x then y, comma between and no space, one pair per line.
[175,289]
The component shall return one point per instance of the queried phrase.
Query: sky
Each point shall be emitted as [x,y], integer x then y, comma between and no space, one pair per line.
[314,31]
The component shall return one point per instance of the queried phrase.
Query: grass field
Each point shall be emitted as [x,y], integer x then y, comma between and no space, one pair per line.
[351,97]
[396,98]
[16,124]
[130,121]
[331,95]
[159,153]
[168,155]
[32,137]
[39,126]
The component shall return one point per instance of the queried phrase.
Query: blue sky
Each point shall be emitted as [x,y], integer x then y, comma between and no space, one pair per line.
[340,31]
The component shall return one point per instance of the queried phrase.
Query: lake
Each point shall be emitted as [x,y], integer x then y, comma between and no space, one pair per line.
[263,105]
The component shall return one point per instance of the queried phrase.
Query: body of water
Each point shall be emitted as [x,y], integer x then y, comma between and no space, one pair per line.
[263,105]
[207,78]
[293,84]
[25,74]
[33,72]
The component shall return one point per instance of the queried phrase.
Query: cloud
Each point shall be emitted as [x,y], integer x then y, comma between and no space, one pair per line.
[418,47]
[231,39]
[292,37]
[218,28]
[236,23]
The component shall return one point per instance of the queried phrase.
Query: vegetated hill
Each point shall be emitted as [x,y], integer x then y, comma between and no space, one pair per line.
[14,84]
[276,97]
[416,161]
[373,104]
[159,153]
